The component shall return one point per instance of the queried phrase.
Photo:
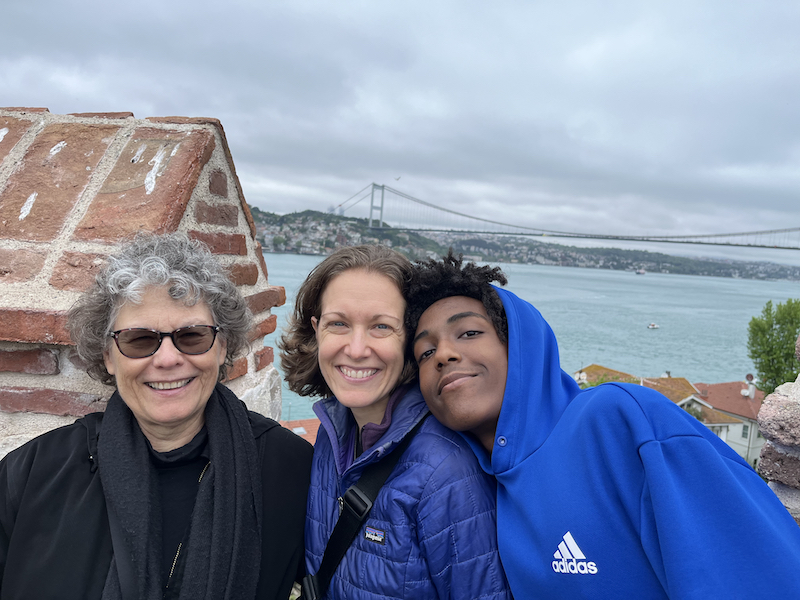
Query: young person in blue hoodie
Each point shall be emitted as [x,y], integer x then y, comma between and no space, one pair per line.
[608,492]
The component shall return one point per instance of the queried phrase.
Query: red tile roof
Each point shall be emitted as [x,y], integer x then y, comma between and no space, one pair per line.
[728,397]
[305,428]
[674,388]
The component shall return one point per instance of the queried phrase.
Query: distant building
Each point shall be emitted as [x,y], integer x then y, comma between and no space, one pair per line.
[740,402]
[729,409]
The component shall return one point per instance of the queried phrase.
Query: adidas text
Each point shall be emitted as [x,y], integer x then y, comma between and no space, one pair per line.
[574,566]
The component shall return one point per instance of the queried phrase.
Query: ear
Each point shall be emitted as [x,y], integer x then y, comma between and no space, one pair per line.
[108,361]
[315,324]
[223,347]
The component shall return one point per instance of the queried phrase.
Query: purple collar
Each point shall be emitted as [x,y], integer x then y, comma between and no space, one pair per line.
[372,432]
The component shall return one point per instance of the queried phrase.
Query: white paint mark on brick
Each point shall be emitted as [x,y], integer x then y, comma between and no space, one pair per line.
[3,133]
[26,208]
[139,152]
[156,161]
[57,148]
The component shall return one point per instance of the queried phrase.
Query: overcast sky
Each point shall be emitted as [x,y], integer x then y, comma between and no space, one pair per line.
[660,118]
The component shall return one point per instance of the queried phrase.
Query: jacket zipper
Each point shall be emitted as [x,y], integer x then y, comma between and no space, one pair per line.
[174,562]
[180,545]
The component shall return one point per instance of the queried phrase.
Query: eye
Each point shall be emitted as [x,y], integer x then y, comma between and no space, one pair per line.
[382,330]
[425,354]
[471,333]
[335,326]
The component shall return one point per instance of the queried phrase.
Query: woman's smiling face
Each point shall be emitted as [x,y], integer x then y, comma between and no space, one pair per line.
[168,391]
[360,336]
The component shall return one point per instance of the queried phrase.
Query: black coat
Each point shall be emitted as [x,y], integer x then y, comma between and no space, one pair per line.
[55,540]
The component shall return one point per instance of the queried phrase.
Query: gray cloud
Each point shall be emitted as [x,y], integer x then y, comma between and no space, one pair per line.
[660,118]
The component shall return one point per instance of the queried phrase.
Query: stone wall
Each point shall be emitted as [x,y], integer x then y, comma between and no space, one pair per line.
[72,187]
[779,420]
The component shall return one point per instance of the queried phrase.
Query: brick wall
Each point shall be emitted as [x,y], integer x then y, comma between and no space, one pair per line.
[73,186]
[779,421]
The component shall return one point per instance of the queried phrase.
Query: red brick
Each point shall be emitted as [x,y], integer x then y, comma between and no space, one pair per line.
[225,214]
[222,243]
[260,255]
[274,295]
[218,126]
[265,327]
[54,402]
[104,115]
[76,271]
[55,171]
[32,362]
[244,274]
[264,357]
[20,265]
[34,326]
[186,121]
[218,183]
[249,218]
[149,186]
[238,369]
[25,109]
[15,129]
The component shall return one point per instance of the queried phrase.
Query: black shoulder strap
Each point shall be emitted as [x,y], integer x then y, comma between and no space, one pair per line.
[358,501]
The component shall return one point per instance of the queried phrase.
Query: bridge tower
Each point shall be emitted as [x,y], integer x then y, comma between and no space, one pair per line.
[373,207]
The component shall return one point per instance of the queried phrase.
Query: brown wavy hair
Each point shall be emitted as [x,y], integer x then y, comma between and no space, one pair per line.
[298,344]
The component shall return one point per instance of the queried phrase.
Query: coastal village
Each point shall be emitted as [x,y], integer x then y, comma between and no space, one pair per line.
[313,232]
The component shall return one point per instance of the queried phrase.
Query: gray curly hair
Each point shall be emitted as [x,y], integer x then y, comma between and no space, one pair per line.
[190,272]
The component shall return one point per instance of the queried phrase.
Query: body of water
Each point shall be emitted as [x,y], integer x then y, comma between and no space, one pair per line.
[601,317]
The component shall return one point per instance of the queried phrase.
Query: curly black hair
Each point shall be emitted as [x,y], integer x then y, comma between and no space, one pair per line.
[433,280]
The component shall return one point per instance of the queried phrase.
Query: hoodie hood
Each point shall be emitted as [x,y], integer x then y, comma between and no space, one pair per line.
[537,390]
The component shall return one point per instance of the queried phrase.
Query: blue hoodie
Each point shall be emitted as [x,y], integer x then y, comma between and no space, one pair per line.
[616,492]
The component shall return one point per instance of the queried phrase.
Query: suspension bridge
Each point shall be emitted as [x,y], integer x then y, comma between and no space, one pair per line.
[389,207]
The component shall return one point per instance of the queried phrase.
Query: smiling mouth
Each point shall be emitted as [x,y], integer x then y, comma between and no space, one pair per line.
[451,378]
[168,385]
[357,373]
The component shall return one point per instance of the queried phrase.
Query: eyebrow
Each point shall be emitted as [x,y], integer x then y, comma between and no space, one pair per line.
[452,319]
[374,317]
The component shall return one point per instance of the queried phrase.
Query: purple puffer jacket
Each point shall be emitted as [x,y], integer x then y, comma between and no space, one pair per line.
[432,530]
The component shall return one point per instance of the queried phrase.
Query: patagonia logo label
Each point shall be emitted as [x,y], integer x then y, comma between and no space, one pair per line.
[374,535]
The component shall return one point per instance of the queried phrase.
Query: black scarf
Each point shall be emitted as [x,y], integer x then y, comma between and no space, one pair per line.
[222,555]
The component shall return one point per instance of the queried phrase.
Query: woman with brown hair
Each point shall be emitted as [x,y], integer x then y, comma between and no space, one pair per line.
[431,531]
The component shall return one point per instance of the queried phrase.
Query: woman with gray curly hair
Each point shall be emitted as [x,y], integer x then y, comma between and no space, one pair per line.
[176,491]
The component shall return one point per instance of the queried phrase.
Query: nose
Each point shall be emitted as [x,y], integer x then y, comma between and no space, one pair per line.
[446,352]
[358,344]
[167,354]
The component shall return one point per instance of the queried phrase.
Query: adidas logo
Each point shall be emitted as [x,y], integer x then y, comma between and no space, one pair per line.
[570,559]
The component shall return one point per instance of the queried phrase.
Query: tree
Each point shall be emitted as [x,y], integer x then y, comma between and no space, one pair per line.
[771,340]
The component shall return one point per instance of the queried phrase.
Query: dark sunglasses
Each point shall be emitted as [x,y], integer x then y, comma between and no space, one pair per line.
[141,343]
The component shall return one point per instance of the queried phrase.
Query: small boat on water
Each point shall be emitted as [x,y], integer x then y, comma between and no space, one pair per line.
[640,271]
[652,326]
